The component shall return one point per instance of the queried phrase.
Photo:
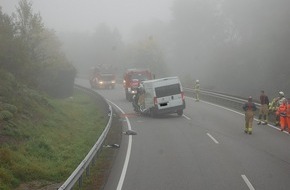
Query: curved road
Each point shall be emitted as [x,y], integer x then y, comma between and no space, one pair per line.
[204,149]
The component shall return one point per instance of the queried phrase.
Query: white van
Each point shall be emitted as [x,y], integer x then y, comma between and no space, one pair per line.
[163,96]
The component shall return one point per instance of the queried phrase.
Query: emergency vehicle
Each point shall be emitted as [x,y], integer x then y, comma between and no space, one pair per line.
[102,78]
[132,79]
[162,96]
[104,81]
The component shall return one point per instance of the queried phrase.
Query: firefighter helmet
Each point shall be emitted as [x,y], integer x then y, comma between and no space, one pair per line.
[281,93]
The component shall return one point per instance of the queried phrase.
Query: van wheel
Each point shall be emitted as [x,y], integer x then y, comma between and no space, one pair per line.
[152,113]
[127,95]
[179,112]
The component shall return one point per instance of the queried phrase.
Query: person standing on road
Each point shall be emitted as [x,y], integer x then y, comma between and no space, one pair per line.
[288,114]
[249,108]
[263,113]
[274,105]
[196,89]
[282,113]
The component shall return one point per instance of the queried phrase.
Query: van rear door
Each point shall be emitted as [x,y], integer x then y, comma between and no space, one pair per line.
[168,96]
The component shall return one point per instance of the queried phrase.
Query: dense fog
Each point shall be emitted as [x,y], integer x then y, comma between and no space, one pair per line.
[235,46]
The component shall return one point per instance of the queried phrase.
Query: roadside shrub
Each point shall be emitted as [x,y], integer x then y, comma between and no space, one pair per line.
[5,115]
[9,107]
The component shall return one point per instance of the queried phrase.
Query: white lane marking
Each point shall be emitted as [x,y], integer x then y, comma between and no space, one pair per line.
[277,128]
[126,163]
[247,181]
[186,117]
[212,138]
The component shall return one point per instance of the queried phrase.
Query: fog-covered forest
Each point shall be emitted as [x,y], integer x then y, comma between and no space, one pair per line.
[235,46]
[32,53]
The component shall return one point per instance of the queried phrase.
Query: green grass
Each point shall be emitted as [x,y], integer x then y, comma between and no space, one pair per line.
[47,138]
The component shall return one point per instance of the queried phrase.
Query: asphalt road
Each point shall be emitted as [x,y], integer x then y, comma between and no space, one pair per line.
[204,149]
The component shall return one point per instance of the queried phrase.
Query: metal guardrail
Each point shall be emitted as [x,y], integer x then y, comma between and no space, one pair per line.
[219,96]
[77,174]
[223,99]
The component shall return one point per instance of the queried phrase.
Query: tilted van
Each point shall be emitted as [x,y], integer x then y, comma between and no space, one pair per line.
[163,96]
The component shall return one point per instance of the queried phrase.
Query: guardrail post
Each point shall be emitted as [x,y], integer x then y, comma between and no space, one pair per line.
[88,171]
[81,181]
[94,161]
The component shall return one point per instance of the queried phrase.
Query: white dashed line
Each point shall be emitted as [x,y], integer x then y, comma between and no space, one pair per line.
[186,117]
[126,163]
[247,181]
[214,140]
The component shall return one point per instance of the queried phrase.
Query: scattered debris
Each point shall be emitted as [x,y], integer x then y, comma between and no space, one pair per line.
[130,132]
[112,146]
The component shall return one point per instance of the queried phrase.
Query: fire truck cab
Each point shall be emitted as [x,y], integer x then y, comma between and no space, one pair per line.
[132,79]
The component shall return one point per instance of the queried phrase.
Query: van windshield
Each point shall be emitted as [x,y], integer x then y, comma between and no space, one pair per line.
[167,90]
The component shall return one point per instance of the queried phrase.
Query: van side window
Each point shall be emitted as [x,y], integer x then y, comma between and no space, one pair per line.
[167,90]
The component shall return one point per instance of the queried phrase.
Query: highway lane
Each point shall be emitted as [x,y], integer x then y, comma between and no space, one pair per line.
[205,149]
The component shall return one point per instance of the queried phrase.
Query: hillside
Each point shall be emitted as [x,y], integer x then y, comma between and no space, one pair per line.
[43,139]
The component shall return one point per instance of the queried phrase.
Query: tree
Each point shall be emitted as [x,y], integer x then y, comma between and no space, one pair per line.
[263,39]
[107,46]
[147,54]
[6,40]
[198,34]
[45,65]
[29,28]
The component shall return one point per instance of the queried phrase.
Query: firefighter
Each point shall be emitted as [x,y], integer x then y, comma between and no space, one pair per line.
[141,99]
[196,89]
[263,113]
[136,99]
[249,108]
[274,105]
[282,113]
[288,114]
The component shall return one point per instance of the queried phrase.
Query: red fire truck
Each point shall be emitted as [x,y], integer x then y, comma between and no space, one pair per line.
[132,79]
[102,80]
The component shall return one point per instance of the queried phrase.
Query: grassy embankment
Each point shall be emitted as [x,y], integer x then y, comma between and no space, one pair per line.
[43,139]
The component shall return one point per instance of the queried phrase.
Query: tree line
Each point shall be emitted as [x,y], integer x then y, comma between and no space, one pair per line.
[233,46]
[240,47]
[32,53]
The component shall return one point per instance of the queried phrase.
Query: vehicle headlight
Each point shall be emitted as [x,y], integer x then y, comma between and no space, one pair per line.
[101,82]
[113,81]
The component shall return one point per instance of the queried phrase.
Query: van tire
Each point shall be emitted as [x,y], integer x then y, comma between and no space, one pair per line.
[127,95]
[152,113]
[179,112]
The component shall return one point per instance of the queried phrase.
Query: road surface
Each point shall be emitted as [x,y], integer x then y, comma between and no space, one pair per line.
[204,149]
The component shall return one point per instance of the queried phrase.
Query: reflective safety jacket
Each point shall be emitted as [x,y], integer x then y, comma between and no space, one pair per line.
[275,103]
[288,110]
[282,110]
[196,86]
[281,100]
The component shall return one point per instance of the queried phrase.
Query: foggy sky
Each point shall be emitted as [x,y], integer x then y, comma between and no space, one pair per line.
[86,15]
